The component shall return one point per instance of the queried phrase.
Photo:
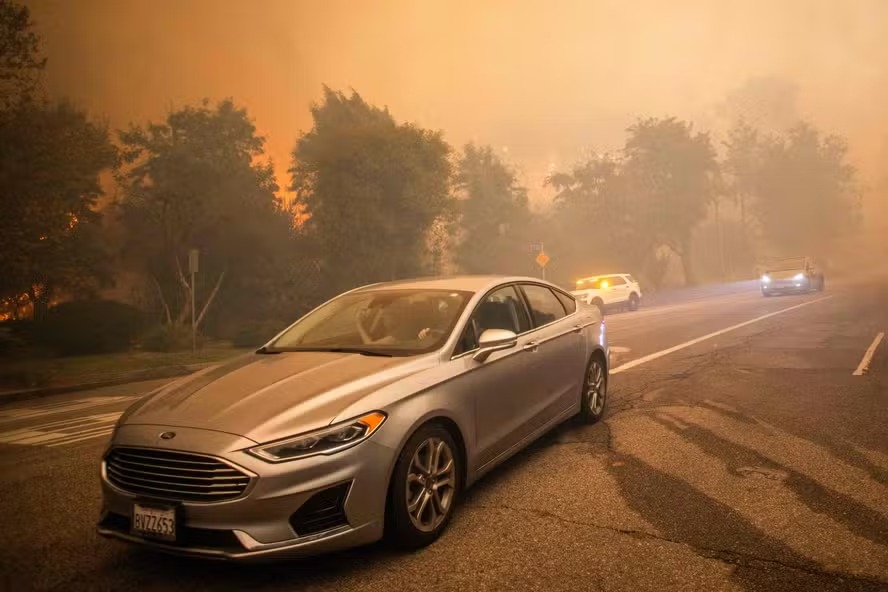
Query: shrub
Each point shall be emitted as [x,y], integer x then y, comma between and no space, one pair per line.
[89,327]
[17,350]
[255,333]
[168,338]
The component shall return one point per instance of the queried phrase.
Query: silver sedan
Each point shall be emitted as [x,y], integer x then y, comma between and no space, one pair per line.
[364,419]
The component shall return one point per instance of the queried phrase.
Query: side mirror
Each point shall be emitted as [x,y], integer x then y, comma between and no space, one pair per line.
[494,340]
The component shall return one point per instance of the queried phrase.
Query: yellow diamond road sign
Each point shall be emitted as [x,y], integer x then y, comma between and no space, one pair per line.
[542,259]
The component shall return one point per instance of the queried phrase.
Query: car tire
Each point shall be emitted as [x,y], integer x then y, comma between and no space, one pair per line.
[821,284]
[593,398]
[766,294]
[412,483]
[597,302]
[633,301]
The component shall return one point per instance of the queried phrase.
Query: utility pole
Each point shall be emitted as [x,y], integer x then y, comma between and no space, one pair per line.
[721,240]
[542,250]
[193,256]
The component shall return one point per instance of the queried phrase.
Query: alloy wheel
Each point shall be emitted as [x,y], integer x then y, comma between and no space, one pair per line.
[595,391]
[431,484]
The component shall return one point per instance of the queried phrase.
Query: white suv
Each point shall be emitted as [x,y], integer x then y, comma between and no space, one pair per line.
[619,290]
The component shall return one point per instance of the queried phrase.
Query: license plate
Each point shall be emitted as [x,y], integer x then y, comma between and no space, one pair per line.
[154,521]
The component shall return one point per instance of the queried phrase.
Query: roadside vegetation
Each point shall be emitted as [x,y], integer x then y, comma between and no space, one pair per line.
[89,211]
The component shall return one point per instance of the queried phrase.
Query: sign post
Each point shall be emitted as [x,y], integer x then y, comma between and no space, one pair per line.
[542,260]
[193,258]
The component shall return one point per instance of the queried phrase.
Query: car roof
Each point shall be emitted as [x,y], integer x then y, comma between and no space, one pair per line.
[468,283]
[604,275]
[788,261]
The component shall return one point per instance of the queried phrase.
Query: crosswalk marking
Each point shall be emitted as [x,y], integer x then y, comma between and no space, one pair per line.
[59,432]
[106,432]
[20,413]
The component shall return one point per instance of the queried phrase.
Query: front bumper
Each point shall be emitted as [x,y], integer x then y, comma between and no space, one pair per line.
[786,286]
[259,524]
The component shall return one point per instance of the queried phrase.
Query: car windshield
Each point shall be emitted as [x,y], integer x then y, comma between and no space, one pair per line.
[593,283]
[382,322]
[788,264]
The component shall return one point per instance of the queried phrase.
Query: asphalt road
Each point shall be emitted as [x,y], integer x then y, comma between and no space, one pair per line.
[739,452]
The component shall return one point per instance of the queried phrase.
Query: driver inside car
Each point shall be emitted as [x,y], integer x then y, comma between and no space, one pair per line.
[394,322]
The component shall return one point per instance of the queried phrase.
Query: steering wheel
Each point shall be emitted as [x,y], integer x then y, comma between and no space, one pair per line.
[429,332]
[374,322]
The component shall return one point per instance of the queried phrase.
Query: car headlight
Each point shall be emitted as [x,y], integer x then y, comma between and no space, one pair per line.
[799,277]
[328,440]
[766,279]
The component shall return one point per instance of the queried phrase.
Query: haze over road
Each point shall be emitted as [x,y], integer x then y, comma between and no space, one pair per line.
[739,452]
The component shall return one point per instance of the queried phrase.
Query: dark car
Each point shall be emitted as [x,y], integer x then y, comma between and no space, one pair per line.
[793,275]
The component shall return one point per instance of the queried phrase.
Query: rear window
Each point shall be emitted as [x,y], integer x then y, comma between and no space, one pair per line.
[570,305]
[545,307]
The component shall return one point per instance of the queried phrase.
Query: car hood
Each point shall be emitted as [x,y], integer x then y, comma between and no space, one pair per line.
[266,397]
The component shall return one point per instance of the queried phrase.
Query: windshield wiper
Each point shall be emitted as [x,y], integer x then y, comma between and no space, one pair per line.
[336,350]
[357,350]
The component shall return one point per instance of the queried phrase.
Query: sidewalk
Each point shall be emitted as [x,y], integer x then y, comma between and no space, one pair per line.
[66,375]
[8,396]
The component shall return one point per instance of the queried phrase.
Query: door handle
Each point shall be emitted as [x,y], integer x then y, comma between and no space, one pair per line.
[578,329]
[531,346]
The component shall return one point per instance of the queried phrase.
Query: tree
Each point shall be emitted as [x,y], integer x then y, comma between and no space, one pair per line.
[742,162]
[672,176]
[51,156]
[593,213]
[194,181]
[492,214]
[371,189]
[20,61]
[806,191]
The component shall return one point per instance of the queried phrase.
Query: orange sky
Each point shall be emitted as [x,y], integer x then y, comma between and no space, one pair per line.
[538,80]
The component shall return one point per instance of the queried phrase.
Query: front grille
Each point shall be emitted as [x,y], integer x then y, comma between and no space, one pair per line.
[174,475]
[322,511]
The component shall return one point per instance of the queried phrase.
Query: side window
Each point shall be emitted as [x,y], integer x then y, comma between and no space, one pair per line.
[501,309]
[545,307]
[616,280]
[631,279]
[570,305]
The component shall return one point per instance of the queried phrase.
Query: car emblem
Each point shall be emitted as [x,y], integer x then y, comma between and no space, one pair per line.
[167,435]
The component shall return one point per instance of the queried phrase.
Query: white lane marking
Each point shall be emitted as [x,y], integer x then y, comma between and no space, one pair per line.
[61,432]
[619,349]
[20,413]
[650,357]
[868,356]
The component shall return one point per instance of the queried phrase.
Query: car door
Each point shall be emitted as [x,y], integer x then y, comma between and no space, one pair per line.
[633,285]
[560,352]
[618,290]
[502,387]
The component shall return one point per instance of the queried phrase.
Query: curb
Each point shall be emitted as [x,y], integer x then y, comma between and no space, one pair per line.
[139,376]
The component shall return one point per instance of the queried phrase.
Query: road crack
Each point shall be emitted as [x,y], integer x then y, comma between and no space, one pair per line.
[727,556]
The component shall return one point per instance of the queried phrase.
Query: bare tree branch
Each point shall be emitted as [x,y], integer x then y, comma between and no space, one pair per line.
[185,311]
[181,276]
[166,308]
[209,301]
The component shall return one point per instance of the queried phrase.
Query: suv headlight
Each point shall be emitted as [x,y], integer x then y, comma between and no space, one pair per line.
[766,279]
[799,277]
[328,440]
